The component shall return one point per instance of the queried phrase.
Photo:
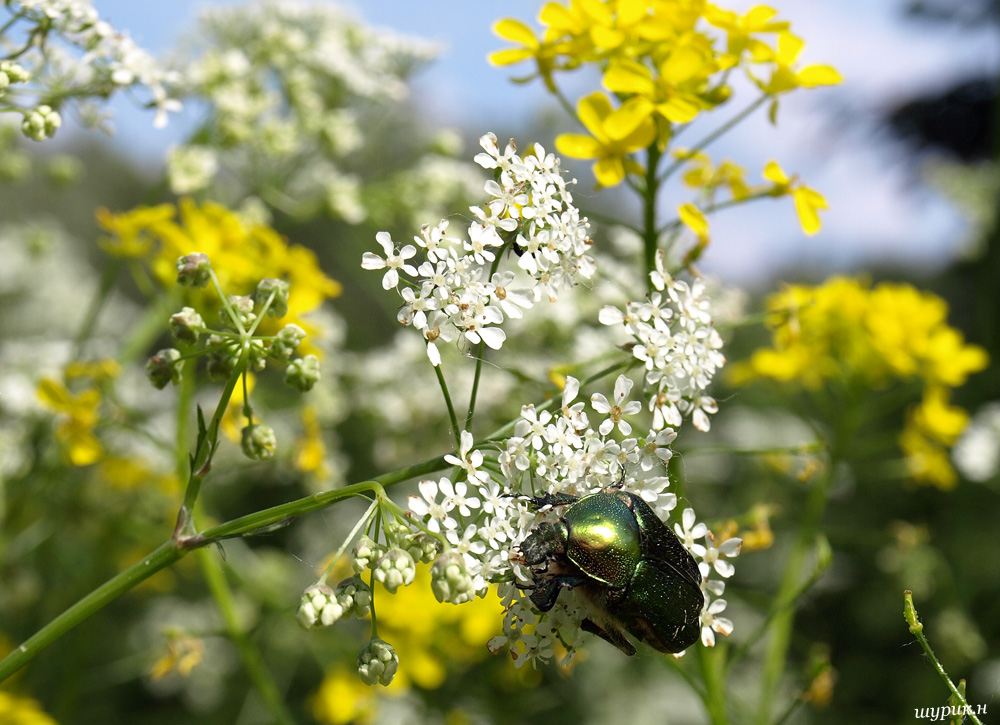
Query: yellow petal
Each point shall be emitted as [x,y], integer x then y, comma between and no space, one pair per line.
[774,173]
[54,394]
[610,171]
[509,56]
[694,219]
[819,75]
[683,64]
[579,146]
[808,202]
[789,47]
[515,31]
[678,110]
[627,76]
[628,118]
[606,38]
[592,110]
[631,12]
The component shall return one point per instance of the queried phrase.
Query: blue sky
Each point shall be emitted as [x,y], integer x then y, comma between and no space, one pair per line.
[826,135]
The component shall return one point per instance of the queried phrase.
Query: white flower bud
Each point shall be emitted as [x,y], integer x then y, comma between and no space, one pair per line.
[395,568]
[365,552]
[377,662]
[450,580]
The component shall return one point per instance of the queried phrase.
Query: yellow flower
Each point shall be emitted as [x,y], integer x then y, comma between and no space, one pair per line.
[310,452]
[670,96]
[130,474]
[808,201]
[183,654]
[75,432]
[344,698]
[701,173]
[133,232]
[740,29]
[17,710]
[529,47]
[846,332]
[784,78]
[242,254]
[610,150]
[232,421]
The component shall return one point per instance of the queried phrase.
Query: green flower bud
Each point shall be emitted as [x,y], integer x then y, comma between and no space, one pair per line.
[279,287]
[163,368]
[395,568]
[354,596]
[377,662]
[186,325]
[41,123]
[222,357]
[194,270]
[14,72]
[422,547]
[302,373]
[258,442]
[257,355]
[286,341]
[450,580]
[365,552]
[242,305]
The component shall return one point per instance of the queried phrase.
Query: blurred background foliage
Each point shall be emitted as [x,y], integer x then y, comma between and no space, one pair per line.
[160,654]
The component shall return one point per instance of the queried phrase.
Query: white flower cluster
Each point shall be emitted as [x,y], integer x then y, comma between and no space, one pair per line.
[677,343]
[977,452]
[110,60]
[288,80]
[486,516]
[456,294]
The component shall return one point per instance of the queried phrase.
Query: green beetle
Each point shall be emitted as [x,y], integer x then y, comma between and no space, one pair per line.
[634,573]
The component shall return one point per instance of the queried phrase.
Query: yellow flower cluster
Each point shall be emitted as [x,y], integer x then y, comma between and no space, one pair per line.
[664,61]
[76,399]
[428,637]
[846,330]
[17,710]
[242,254]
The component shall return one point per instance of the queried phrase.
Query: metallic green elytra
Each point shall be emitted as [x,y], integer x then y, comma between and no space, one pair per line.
[634,574]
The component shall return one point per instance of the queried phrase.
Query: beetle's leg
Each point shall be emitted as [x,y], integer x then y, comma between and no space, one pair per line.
[545,542]
[545,590]
[614,636]
[621,481]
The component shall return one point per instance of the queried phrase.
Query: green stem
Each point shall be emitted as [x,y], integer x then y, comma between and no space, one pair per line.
[160,558]
[650,236]
[917,630]
[718,206]
[171,551]
[202,458]
[781,627]
[451,408]
[713,673]
[108,277]
[253,662]
[714,135]
[149,328]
